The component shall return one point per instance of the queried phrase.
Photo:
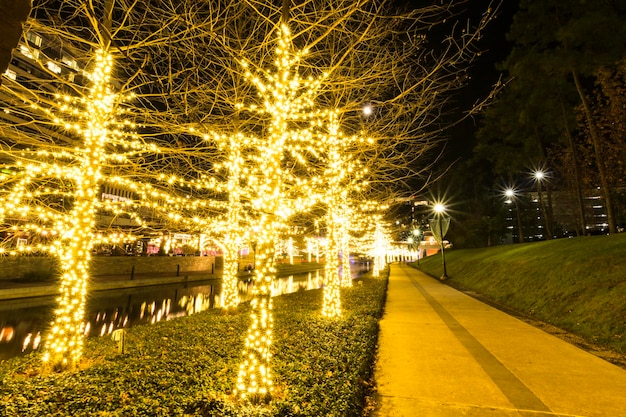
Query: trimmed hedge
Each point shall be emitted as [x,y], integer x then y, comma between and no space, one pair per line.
[188,366]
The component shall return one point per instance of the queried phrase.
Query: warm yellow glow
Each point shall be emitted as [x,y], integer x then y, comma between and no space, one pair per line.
[278,90]
[63,347]
[234,234]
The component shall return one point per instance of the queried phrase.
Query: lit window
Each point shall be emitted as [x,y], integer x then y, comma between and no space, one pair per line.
[69,62]
[54,67]
[11,74]
[33,38]
[29,52]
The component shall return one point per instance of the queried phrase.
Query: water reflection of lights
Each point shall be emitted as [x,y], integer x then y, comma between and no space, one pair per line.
[22,336]
[196,304]
[35,341]
[6,334]
[288,285]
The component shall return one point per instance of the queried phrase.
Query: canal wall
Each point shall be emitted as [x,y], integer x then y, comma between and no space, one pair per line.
[43,268]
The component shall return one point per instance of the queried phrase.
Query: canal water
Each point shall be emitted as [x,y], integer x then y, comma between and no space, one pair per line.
[23,322]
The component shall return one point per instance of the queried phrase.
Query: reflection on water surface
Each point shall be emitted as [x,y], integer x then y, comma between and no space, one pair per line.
[23,322]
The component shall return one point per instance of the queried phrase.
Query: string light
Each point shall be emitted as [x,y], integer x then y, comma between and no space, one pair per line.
[64,342]
[285,97]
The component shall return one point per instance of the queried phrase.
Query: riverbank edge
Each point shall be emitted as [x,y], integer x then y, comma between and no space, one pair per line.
[17,290]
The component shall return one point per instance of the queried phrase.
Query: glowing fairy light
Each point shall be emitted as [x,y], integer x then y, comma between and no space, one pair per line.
[64,343]
[346,277]
[233,236]
[285,97]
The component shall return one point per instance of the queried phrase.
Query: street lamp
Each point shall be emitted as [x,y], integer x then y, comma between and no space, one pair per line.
[510,195]
[440,218]
[409,247]
[417,233]
[539,176]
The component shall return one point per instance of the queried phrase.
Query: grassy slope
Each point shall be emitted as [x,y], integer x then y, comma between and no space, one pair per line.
[578,285]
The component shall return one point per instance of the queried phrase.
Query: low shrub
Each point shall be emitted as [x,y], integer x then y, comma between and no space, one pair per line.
[188,366]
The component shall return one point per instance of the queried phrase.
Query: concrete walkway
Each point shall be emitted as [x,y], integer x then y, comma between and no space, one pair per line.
[443,353]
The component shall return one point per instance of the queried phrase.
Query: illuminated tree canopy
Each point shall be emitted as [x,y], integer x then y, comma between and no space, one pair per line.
[225,118]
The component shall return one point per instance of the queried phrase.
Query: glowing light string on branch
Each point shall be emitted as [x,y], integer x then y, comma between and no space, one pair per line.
[286,97]
[343,176]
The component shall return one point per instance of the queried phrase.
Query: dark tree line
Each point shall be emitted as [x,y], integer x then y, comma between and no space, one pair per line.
[562,111]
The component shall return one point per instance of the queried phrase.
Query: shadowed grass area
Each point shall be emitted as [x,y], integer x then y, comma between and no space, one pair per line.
[578,285]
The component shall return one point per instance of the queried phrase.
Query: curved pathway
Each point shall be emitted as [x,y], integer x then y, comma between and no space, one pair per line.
[443,353]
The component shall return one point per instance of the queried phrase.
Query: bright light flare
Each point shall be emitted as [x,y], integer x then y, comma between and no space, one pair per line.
[439,208]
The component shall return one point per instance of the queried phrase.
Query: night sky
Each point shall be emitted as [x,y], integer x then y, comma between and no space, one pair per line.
[483,74]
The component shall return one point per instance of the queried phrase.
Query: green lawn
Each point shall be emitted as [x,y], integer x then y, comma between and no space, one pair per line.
[188,366]
[578,285]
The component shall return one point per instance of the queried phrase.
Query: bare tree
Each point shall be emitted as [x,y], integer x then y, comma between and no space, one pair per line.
[68,130]
[241,103]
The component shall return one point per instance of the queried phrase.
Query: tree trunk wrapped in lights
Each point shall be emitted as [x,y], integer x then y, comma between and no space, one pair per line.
[233,238]
[331,306]
[254,381]
[379,251]
[63,345]
[346,275]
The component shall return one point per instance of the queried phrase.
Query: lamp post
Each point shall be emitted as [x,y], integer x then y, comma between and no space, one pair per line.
[510,195]
[539,176]
[439,220]
[417,233]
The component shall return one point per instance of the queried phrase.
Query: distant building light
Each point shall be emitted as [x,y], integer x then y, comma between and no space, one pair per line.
[33,38]
[69,62]
[54,67]
[29,52]
[113,197]
[11,74]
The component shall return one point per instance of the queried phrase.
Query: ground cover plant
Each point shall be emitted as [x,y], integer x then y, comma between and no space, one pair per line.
[577,284]
[187,366]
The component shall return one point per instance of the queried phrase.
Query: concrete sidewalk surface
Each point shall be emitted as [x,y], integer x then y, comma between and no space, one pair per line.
[444,353]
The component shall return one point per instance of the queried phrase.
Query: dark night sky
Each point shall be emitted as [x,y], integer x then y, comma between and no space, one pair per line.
[483,74]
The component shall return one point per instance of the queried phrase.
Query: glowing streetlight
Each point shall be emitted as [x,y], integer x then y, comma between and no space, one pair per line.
[539,177]
[510,195]
[440,211]
[367,110]
[417,233]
